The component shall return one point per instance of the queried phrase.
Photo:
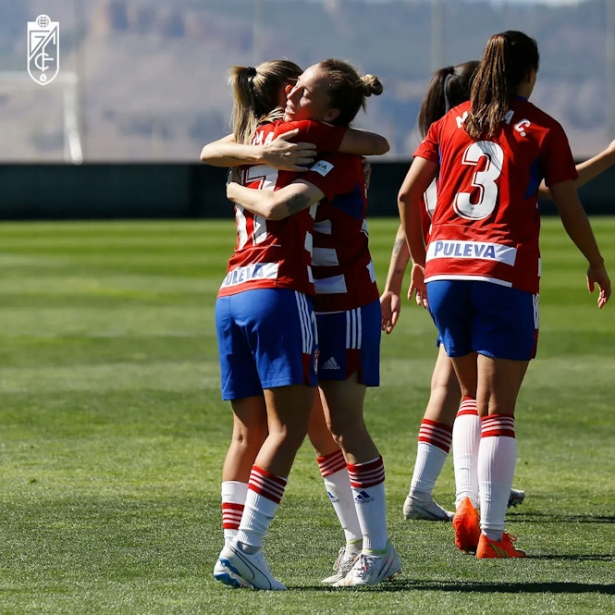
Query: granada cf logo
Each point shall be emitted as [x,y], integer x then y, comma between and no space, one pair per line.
[43,49]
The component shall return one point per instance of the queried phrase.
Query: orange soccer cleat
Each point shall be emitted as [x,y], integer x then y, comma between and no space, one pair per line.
[466,523]
[498,549]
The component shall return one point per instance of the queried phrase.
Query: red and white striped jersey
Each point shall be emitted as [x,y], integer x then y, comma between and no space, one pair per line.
[486,223]
[343,270]
[276,253]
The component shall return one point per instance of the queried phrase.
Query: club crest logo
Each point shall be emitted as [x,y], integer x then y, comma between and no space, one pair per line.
[43,49]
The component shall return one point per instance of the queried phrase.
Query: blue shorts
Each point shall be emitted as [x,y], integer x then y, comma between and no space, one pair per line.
[349,342]
[493,320]
[266,339]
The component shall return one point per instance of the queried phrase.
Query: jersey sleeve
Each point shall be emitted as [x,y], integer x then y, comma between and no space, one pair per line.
[428,148]
[334,175]
[558,161]
[326,137]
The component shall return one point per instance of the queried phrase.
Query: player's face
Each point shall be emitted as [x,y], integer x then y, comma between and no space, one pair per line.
[309,98]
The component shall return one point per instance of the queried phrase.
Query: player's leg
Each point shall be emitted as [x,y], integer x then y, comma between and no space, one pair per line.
[334,472]
[249,433]
[350,345]
[499,384]
[285,363]
[451,306]
[241,386]
[504,336]
[434,442]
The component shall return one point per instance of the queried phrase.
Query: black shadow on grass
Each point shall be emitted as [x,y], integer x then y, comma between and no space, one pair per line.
[588,557]
[490,588]
[544,517]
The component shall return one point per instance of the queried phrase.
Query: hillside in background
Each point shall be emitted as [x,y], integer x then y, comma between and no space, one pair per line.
[153,73]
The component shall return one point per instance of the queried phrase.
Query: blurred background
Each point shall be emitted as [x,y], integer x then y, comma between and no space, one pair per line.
[145,80]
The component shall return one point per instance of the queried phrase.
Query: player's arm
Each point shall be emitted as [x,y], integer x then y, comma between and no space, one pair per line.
[390,302]
[579,229]
[421,173]
[587,170]
[363,143]
[279,153]
[278,204]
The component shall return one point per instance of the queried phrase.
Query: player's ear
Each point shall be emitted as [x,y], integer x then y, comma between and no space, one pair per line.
[331,115]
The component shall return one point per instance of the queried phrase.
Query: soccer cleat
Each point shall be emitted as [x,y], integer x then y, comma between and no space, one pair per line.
[466,523]
[516,497]
[238,569]
[498,549]
[372,568]
[429,511]
[343,565]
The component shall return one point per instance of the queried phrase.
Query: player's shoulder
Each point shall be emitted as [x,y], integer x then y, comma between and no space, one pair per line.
[535,114]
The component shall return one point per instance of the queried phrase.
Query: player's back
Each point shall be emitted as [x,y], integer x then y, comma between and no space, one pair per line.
[276,253]
[344,275]
[487,220]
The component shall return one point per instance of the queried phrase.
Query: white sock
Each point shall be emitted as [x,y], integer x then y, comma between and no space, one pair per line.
[367,482]
[496,469]
[466,439]
[233,500]
[432,451]
[337,483]
[265,492]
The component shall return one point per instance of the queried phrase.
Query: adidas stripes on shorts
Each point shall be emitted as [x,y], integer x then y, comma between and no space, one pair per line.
[350,342]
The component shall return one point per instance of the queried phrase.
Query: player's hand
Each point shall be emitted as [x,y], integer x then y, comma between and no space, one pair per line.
[599,276]
[421,298]
[286,156]
[417,286]
[390,305]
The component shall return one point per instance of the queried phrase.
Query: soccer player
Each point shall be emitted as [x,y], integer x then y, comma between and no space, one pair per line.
[346,302]
[481,267]
[448,88]
[261,90]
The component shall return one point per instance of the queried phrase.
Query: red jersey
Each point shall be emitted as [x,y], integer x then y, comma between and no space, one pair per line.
[276,253]
[486,224]
[344,275]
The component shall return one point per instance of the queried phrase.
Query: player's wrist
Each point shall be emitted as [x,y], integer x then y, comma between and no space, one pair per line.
[596,263]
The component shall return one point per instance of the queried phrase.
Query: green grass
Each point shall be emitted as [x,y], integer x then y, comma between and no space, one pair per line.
[112,435]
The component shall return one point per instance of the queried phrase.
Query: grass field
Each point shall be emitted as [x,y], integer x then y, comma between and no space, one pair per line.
[113,435]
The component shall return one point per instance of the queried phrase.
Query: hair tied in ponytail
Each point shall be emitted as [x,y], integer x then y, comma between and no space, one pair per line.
[251,72]
[447,104]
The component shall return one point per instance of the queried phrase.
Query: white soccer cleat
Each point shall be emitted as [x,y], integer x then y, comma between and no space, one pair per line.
[343,565]
[238,569]
[430,511]
[371,568]
[516,497]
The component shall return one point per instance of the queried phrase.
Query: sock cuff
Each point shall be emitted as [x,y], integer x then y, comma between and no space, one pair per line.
[368,474]
[497,425]
[467,406]
[266,484]
[436,434]
[332,463]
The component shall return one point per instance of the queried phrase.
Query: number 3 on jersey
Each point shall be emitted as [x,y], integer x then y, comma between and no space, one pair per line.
[483,180]
[266,178]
